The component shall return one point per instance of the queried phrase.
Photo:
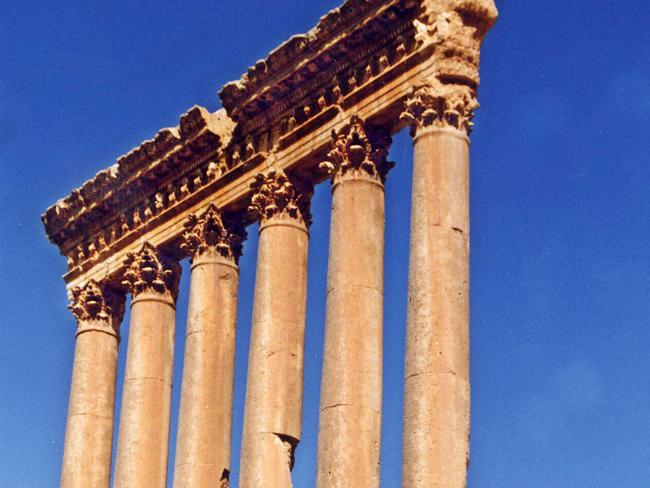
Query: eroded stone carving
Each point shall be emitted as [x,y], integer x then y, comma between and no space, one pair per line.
[150,270]
[126,187]
[359,150]
[95,302]
[440,105]
[457,29]
[208,235]
[275,196]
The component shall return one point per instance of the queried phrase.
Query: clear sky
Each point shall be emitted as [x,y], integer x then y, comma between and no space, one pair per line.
[559,235]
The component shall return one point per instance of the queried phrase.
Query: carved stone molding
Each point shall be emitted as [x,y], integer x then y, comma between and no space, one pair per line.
[95,302]
[208,235]
[439,105]
[150,270]
[275,196]
[359,151]
[456,28]
[142,185]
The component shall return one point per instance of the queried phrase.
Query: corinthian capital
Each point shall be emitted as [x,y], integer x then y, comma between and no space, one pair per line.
[208,235]
[95,302]
[359,150]
[150,270]
[440,106]
[276,196]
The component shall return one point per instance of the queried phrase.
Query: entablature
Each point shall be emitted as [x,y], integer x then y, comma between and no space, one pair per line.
[362,59]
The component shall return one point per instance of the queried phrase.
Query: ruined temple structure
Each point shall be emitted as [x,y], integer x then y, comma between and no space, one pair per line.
[320,107]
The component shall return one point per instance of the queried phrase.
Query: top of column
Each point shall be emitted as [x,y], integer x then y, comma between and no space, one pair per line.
[150,271]
[209,236]
[97,307]
[359,152]
[277,199]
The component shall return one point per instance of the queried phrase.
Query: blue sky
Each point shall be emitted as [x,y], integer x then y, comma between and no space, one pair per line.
[560,232]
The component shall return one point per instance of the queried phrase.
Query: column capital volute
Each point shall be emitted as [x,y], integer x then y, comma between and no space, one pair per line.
[434,105]
[210,235]
[277,197]
[96,306]
[149,270]
[359,151]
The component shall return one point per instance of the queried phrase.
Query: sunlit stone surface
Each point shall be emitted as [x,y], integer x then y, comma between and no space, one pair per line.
[323,104]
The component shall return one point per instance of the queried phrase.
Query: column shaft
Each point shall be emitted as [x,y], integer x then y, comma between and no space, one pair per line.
[436,417]
[146,398]
[350,414]
[89,432]
[273,412]
[205,420]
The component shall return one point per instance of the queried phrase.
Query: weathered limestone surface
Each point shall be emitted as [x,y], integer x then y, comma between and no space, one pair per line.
[390,63]
[436,407]
[146,398]
[89,432]
[350,414]
[205,419]
[274,391]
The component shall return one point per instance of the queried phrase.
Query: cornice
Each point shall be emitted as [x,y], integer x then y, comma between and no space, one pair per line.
[327,59]
[170,154]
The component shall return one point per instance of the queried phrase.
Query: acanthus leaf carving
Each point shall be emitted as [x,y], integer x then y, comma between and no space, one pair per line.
[358,150]
[276,196]
[149,270]
[95,302]
[208,235]
[440,106]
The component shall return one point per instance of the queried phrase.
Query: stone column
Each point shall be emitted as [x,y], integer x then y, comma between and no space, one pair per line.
[437,397]
[273,412]
[205,419]
[439,111]
[89,433]
[349,437]
[144,423]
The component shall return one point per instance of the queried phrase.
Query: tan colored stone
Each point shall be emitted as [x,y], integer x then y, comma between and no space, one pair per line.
[436,410]
[146,399]
[89,432]
[205,419]
[369,58]
[350,413]
[274,391]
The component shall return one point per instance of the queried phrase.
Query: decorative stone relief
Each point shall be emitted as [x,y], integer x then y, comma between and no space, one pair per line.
[440,106]
[208,235]
[275,196]
[359,151]
[457,29]
[94,302]
[150,270]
